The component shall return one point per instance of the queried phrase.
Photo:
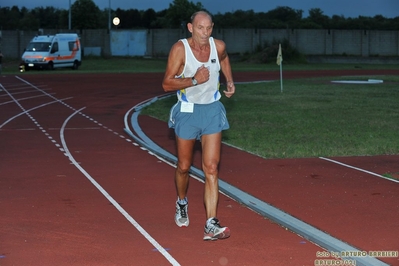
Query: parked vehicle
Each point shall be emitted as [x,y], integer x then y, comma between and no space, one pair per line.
[52,51]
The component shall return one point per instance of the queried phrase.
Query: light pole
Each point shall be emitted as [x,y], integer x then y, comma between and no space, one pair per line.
[109,15]
[69,18]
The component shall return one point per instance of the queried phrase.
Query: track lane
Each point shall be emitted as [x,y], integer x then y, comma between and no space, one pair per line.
[46,122]
[344,202]
[129,174]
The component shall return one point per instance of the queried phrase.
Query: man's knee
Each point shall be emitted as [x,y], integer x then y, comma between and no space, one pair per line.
[210,168]
[183,167]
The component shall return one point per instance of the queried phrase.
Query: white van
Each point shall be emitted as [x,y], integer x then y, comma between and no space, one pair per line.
[52,51]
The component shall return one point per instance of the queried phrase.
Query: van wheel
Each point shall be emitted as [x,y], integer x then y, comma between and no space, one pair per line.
[75,65]
[50,65]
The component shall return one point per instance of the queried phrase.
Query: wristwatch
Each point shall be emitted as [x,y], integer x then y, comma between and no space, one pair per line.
[194,81]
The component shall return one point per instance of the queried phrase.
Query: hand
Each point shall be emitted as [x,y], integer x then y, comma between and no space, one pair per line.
[231,89]
[202,75]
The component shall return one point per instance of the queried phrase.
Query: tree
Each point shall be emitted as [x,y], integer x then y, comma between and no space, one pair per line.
[285,14]
[316,16]
[48,17]
[338,22]
[28,21]
[85,15]
[129,18]
[63,19]
[180,11]
[160,20]
[11,19]
[148,16]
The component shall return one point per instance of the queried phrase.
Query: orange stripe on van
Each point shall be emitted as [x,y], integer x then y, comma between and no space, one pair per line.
[33,56]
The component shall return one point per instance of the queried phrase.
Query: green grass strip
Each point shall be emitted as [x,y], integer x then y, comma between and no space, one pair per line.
[310,118]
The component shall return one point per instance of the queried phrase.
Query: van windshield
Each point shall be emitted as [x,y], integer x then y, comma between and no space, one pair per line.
[38,47]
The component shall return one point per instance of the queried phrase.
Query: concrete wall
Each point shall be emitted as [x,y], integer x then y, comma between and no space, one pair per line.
[129,43]
[158,41]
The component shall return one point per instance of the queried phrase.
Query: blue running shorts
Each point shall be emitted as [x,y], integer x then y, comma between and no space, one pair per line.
[204,120]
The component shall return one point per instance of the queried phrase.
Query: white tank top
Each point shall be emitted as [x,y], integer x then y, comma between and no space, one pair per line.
[207,92]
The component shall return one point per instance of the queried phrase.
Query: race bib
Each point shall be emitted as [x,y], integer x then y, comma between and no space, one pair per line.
[187,107]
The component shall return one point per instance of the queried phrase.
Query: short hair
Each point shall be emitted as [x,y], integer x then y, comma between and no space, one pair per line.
[200,12]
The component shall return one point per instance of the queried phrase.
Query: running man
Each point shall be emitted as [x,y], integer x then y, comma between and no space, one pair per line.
[193,72]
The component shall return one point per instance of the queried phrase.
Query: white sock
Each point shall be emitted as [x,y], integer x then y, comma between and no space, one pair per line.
[208,222]
[182,201]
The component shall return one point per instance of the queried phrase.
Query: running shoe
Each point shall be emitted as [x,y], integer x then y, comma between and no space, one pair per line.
[213,230]
[181,216]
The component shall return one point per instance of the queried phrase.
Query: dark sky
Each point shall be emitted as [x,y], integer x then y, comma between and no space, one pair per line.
[347,8]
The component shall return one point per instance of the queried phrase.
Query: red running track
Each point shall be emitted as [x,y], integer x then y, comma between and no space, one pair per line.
[74,190]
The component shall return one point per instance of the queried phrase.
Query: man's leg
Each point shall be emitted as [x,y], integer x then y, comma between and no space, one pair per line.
[210,163]
[185,149]
[185,158]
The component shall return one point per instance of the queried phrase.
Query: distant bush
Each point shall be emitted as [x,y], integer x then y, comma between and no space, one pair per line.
[267,53]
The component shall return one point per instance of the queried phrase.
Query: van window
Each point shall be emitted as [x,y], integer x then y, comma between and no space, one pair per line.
[54,49]
[73,46]
[38,47]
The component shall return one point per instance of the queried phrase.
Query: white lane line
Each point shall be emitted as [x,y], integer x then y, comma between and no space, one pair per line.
[66,152]
[110,199]
[297,226]
[359,169]
[22,99]
[27,111]
[76,128]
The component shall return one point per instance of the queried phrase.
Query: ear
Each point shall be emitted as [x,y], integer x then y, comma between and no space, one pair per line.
[190,27]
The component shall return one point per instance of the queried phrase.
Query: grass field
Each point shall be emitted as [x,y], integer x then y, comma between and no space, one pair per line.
[141,65]
[312,117]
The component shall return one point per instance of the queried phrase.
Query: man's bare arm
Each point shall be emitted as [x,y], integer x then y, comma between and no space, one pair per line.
[174,65]
[174,68]
[226,68]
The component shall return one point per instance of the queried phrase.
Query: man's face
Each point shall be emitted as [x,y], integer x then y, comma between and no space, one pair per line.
[201,28]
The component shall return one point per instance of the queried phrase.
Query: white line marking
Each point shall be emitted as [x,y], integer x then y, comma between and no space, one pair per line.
[22,99]
[359,169]
[26,111]
[104,192]
[75,128]
[283,219]
[110,199]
